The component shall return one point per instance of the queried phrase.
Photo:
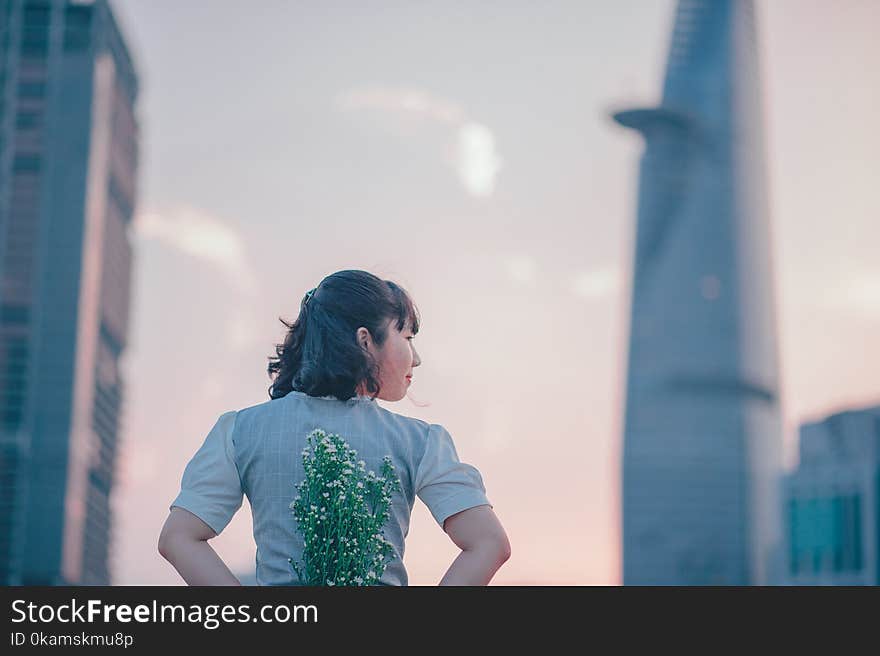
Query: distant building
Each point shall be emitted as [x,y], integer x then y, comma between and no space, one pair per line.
[832,502]
[702,448]
[68,161]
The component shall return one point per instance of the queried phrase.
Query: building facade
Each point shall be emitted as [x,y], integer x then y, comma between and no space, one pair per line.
[702,451]
[832,502]
[68,160]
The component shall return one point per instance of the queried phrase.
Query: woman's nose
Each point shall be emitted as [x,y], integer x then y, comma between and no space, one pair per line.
[416,359]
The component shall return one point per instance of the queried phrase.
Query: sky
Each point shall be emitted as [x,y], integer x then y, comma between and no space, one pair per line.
[465,151]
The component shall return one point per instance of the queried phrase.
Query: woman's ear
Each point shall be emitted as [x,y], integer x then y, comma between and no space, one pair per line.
[363,338]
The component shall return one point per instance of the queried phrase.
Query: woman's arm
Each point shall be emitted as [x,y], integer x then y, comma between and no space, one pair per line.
[483,543]
[184,543]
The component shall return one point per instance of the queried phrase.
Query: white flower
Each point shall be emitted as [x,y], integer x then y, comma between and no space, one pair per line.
[332,454]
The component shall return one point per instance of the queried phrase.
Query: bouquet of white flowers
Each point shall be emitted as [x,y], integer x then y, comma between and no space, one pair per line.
[340,510]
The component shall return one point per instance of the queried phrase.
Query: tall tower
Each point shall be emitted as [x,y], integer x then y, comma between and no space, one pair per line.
[703,437]
[68,158]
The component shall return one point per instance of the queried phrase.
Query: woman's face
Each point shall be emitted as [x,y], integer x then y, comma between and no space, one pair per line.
[396,357]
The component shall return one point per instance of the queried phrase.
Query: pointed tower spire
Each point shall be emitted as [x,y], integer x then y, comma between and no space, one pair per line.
[702,436]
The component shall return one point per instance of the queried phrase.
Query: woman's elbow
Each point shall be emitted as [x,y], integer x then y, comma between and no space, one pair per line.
[171,535]
[164,545]
[504,550]
[497,549]
[181,529]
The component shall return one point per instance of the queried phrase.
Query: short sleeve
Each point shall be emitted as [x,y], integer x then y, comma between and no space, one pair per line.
[211,488]
[444,483]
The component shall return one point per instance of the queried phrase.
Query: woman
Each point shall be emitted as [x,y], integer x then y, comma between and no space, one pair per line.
[350,345]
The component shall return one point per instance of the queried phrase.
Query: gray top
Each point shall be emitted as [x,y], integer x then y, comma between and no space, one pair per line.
[258,452]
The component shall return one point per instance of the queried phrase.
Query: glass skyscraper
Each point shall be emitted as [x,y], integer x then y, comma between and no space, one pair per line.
[68,159]
[702,434]
[832,502]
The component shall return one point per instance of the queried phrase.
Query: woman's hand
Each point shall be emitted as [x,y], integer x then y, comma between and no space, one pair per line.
[184,543]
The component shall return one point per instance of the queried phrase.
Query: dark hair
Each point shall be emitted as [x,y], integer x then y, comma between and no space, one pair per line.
[320,354]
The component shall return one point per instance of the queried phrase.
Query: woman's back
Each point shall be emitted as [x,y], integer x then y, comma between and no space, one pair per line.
[258,451]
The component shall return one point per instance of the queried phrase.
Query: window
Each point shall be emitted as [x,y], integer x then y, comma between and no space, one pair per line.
[14,314]
[32,90]
[77,21]
[37,14]
[856,510]
[26,164]
[35,44]
[12,405]
[825,534]
[35,36]
[28,120]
